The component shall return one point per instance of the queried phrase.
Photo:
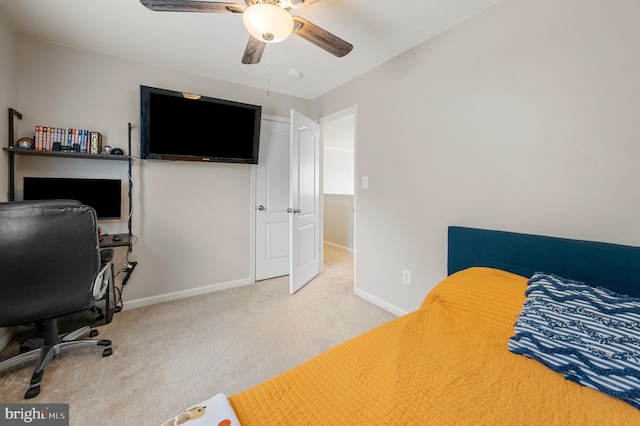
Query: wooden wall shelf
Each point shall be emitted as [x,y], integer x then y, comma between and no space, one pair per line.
[65,154]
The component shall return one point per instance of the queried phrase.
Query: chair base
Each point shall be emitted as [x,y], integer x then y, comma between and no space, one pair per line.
[45,350]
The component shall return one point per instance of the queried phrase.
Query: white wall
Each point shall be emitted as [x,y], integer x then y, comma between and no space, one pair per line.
[8,99]
[338,157]
[524,118]
[192,220]
[338,171]
[338,220]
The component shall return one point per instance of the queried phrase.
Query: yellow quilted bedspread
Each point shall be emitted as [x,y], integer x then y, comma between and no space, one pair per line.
[445,364]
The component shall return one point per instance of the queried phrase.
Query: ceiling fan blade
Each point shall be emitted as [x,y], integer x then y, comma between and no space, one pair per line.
[321,38]
[298,4]
[253,51]
[286,4]
[192,6]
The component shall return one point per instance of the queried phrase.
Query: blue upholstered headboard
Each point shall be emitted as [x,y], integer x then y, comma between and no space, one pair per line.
[613,266]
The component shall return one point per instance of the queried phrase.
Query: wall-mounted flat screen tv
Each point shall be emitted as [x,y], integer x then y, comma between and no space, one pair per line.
[104,195]
[181,126]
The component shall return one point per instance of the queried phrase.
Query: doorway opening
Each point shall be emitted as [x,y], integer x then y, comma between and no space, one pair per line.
[338,132]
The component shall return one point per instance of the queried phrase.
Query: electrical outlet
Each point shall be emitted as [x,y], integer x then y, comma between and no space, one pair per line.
[406,277]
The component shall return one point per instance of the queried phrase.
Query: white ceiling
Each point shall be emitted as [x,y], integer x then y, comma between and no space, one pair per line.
[212,45]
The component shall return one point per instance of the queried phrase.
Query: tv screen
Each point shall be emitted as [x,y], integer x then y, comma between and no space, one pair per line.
[104,195]
[179,126]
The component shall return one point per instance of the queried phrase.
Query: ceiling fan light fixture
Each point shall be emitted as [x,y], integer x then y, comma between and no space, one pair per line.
[268,22]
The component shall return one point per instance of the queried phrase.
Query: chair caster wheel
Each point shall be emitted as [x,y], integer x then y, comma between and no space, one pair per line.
[107,352]
[93,333]
[32,392]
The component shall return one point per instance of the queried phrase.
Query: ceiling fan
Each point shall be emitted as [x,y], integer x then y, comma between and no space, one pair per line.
[268,21]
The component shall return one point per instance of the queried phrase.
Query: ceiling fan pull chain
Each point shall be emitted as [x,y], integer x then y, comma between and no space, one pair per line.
[268,67]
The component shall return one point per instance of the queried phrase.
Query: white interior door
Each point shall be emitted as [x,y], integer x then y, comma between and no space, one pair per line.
[272,201]
[305,200]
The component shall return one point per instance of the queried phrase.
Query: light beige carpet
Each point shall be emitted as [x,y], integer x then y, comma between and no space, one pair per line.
[170,356]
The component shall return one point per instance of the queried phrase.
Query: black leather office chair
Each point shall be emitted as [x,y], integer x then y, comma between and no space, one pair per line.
[50,267]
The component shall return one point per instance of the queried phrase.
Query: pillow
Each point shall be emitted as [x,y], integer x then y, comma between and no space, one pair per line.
[486,293]
[216,411]
[590,335]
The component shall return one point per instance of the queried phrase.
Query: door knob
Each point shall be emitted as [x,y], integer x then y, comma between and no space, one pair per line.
[260,207]
[289,210]
[296,211]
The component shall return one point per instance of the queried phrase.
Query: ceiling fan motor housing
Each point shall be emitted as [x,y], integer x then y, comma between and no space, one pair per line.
[267,21]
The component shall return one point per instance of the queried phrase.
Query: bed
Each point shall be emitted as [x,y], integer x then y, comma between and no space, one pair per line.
[473,353]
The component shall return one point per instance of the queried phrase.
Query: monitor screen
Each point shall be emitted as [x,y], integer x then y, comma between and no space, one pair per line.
[104,195]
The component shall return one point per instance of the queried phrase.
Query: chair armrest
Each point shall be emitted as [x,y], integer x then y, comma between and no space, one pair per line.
[105,276]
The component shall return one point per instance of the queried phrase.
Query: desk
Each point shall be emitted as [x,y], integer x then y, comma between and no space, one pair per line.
[106,241]
[109,300]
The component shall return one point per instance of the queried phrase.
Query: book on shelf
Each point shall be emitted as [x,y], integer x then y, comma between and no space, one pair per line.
[50,139]
[84,146]
[73,137]
[86,141]
[37,144]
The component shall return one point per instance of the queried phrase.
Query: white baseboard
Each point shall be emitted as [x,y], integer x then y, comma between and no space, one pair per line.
[381,303]
[146,301]
[350,250]
[6,334]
